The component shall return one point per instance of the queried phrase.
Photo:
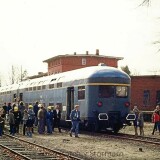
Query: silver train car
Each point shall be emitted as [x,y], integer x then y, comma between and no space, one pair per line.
[102,92]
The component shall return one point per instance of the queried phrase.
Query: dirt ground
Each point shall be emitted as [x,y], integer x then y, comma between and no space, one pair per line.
[90,147]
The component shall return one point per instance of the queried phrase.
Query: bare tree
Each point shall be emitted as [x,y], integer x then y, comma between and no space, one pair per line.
[17,74]
[146,3]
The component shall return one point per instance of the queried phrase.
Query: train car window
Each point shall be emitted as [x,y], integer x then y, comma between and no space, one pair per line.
[44,87]
[51,104]
[30,88]
[38,87]
[59,85]
[51,86]
[106,91]
[81,92]
[121,91]
[34,88]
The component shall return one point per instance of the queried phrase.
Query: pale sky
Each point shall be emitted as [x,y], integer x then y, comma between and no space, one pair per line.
[34,30]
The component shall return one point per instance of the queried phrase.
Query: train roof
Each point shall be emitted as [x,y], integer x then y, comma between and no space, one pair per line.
[94,72]
[74,75]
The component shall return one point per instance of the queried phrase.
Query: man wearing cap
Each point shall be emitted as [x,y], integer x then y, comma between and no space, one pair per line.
[30,120]
[17,117]
[21,108]
[35,109]
[75,119]
[41,119]
[49,120]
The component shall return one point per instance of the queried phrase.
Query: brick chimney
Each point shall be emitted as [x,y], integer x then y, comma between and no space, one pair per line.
[87,52]
[74,53]
[97,52]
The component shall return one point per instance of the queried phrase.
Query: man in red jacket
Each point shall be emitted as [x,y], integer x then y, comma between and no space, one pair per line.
[156,119]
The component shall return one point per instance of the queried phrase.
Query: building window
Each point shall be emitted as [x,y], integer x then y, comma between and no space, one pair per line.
[83,61]
[81,92]
[146,97]
[158,97]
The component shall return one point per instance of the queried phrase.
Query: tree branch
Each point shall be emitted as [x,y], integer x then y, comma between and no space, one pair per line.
[145,3]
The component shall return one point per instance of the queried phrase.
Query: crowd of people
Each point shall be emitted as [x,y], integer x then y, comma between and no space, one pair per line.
[139,120]
[30,116]
[50,117]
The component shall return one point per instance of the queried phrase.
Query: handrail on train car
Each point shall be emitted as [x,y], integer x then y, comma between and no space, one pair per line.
[103,119]
[131,117]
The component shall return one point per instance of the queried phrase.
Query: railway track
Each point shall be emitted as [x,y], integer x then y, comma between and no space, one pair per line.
[141,139]
[19,149]
[122,136]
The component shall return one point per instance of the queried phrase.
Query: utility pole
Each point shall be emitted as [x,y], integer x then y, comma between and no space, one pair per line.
[21,73]
[12,75]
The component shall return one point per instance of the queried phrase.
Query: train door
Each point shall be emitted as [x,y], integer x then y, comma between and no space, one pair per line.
[20,96]
[70,100]
[14,97]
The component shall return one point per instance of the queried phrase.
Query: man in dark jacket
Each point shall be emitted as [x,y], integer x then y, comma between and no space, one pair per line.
[17,117]
[35,109]
[1,125]
[57,118]
[5,108]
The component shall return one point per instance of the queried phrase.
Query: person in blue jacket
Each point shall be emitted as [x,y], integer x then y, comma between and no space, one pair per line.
[75,119]
[49,120]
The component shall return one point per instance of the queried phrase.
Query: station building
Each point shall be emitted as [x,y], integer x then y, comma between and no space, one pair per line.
[145,90]
[63,63]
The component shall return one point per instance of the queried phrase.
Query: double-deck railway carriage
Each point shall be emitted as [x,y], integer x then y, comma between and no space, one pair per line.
[102,92]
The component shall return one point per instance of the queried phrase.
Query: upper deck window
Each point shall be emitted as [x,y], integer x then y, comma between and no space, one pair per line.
[59,85]
[44,87]
[121,91]
[106,91]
